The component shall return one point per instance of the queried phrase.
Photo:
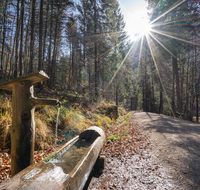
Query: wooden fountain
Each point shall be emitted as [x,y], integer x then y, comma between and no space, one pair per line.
[23,124]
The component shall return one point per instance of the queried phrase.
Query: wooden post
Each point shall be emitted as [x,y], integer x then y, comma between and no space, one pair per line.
[23,123]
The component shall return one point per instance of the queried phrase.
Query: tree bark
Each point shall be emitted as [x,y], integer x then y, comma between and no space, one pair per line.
[95,51]
[21,39]
[32,37]
[49,53]
[175,69]
[4,34]
[40,61]
[161,100]
[17,41]
[45,33]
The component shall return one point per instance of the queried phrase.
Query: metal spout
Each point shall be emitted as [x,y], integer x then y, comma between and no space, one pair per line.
[44,101]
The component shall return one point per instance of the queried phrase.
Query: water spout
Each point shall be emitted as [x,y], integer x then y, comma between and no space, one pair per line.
[56,133]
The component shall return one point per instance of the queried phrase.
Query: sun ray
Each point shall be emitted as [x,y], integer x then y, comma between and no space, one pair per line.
[173,37]
[154,60]
[141,45]
[136,42]
[109,50]
[154,9]
[175,6]
[162,45]
[100,34]
[157,24]
[112,48]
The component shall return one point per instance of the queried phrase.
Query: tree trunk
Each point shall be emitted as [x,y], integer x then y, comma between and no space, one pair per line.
[32,37]
[40,61]
[161,100]
[4,35]
[11,57]
[26,47]
[17,41]
[95,51]
[45,33]
[52,79]
[49,53]
[22,36]
[117,101]
[175,69]
[197,102]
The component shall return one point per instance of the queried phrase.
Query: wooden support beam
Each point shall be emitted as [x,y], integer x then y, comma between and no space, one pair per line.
[23,123]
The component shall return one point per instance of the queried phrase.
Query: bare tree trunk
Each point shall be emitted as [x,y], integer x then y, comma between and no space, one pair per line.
[197,101]
[22,36]
[173,92]
[32,37]
[187,86]
[153,99]
[196,80]
[40,61]
[175,69]
[95,51]
[117,100]
[72,61]
[182,81]
[49,53]
[4,34]
[11,57]
[143,95]
[161,100]
[52,79]
[45,33]
[17,41]
[26,47]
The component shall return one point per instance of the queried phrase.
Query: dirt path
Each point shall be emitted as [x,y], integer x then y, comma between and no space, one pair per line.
[171,161]
[176,146]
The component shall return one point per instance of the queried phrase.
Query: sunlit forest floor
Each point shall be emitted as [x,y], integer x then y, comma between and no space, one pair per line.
[159,152]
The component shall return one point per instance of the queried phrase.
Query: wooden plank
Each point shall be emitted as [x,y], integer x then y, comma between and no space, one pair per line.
[34,78]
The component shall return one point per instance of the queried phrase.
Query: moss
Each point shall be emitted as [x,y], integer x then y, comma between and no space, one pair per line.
[50,157]
[127,117]
[113,138]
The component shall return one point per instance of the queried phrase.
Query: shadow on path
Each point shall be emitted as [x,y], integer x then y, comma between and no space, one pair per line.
[177,144]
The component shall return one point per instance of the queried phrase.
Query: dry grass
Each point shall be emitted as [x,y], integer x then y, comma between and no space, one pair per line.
[5,120]
[72,121]
[75,119]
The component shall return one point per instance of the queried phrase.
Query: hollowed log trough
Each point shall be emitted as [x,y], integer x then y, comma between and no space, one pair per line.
[69,168]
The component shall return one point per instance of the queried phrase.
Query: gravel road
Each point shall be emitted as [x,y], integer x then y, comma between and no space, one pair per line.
[171,161]
[175,144]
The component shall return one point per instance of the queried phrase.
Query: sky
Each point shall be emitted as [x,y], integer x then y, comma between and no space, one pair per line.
[135,14]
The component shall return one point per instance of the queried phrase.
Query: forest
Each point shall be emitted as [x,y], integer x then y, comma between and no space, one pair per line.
[96,67]
[84,49]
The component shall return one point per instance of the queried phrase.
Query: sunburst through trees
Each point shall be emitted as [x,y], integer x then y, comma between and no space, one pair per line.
[169,43]
[173,43]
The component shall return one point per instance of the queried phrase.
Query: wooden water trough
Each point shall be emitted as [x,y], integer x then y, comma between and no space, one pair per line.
[69,168]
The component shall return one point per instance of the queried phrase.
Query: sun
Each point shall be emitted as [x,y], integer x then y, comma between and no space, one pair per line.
[141,27]
[144,27]
[138,26]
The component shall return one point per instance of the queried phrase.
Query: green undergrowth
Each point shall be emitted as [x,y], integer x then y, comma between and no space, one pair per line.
[121,129]
[75,117]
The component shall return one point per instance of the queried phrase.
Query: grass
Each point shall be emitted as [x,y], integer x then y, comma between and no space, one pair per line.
[112,138]
[5,120]
[121,130]
[72,121]
[127,117]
